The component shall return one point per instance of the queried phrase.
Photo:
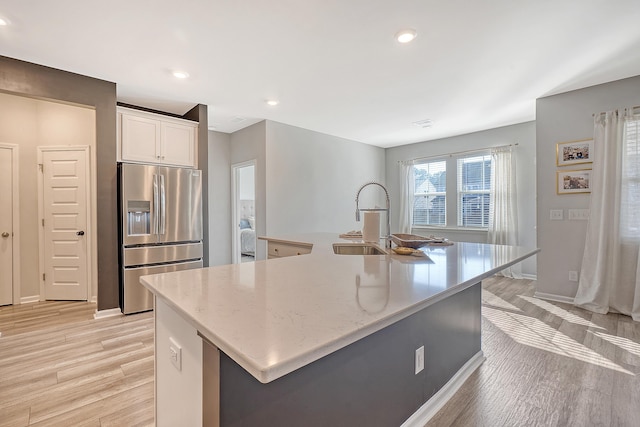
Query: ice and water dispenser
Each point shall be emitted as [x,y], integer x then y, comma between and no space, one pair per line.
[138,217]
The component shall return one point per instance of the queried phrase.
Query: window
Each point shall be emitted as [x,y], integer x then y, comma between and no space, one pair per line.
[474,191]
[429,201]
[456,199]
[630,185]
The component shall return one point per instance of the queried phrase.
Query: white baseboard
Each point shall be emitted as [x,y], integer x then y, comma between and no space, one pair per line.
[438,400]
[553,297]
[27,300]
[101,314]
[94,299]
[530,276]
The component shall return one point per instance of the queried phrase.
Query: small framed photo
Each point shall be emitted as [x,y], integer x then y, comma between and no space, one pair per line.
[571,182]
[574,152]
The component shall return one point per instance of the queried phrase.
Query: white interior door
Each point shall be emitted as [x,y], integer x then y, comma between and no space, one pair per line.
[65,184]
[6,226]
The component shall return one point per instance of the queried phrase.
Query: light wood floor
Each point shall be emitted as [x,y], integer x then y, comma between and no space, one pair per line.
[548,364]
[61,367]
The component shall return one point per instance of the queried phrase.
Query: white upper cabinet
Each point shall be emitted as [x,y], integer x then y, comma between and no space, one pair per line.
[152,138]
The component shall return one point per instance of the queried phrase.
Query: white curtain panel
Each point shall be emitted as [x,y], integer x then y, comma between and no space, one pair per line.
[610,276]
[406,196]
[503,215]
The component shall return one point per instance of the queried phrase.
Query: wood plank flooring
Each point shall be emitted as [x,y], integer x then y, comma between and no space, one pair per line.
[548,364]
[61,367]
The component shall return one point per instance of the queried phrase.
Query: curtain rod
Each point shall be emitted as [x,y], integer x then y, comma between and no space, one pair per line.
[459,152]
[616,110]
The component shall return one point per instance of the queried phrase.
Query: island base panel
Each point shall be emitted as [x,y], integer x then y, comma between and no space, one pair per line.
[370,382]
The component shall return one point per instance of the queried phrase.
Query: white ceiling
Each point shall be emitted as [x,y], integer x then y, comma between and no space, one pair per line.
[334,64]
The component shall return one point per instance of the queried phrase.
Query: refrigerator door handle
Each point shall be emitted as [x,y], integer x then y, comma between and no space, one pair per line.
[163,206]
[155,205]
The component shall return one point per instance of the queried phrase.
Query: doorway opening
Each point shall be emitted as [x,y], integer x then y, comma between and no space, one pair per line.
[243,215]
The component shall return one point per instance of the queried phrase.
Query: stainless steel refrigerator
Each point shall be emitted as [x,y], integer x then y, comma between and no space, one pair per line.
[160,219]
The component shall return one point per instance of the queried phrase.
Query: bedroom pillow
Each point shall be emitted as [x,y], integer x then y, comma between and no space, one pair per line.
[252,222]
[244,223]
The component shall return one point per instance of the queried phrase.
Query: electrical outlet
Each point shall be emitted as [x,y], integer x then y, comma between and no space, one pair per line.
[419,359]
[573,276]
[175,354]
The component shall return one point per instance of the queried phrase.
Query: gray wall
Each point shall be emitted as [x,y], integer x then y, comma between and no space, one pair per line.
[560,118]
[305,181]
[219,198]
[313,178]
[23,78]
[524,134]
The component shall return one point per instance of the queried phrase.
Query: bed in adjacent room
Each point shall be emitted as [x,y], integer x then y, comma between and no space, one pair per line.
[247,228]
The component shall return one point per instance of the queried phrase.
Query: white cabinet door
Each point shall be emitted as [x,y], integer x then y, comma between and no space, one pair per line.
[140,139]
[178,144]
[153,138]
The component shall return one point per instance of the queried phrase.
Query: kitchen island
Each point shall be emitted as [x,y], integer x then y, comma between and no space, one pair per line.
[320,339]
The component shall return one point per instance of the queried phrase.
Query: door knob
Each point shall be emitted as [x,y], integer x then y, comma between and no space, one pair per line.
[80,233]
[5,234]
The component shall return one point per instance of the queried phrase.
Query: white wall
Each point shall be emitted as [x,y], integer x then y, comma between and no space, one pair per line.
[30,123]
[560,118]
[219,198]
[312,180]
[524,134]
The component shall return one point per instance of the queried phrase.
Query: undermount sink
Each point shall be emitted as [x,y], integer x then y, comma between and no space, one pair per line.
[357,249]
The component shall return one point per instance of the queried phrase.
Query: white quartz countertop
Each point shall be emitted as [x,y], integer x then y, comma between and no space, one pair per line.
[275,316]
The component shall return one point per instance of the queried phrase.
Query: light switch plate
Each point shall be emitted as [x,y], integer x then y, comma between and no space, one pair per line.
[578,214]
[556,214]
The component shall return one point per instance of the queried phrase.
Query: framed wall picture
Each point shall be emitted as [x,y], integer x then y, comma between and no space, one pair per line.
[574,152]
[571,182]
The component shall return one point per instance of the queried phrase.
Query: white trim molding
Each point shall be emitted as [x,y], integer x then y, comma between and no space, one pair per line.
[553,297]
[438,400]
[111,312]
[530,276]
[27,300]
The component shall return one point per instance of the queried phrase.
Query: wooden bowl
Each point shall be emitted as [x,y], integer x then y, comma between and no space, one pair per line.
[410,240]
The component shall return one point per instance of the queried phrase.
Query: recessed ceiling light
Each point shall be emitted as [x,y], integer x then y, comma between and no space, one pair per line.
[272,102]
[180,74]
[3,22]
[405,36]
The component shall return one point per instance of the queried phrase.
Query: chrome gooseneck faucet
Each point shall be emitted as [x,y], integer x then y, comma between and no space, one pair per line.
[387,210]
